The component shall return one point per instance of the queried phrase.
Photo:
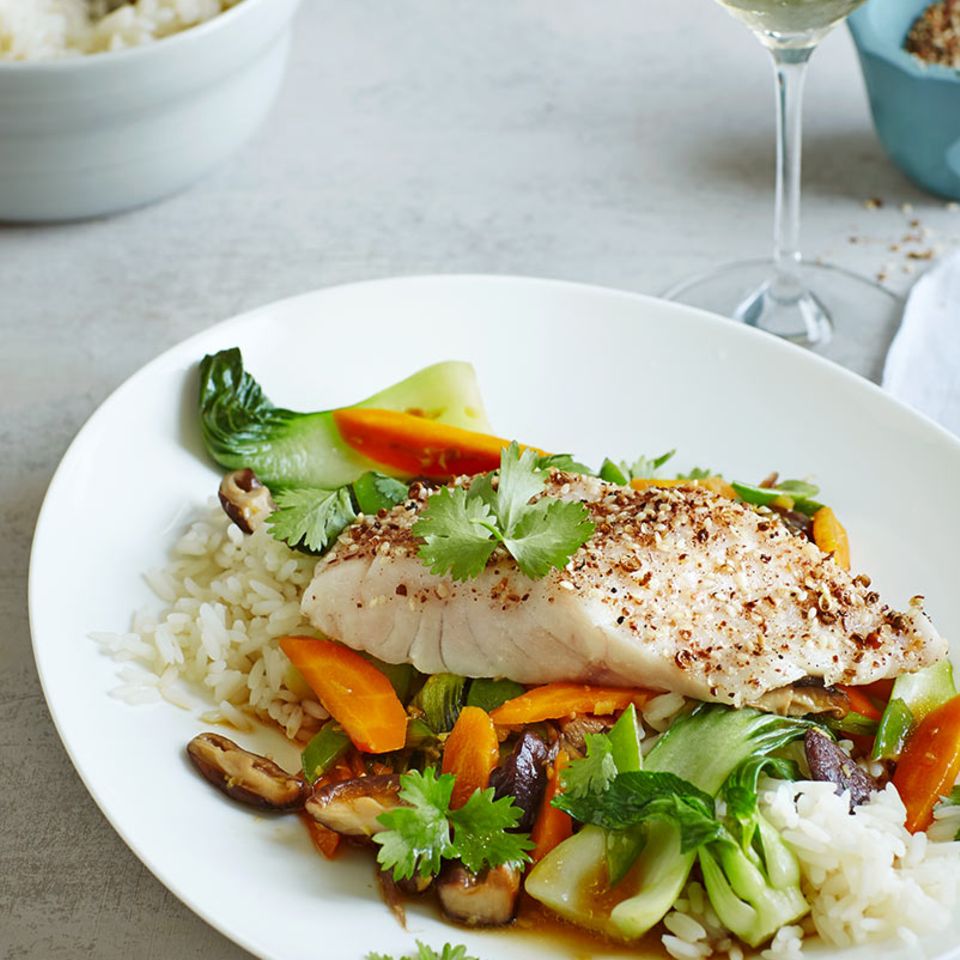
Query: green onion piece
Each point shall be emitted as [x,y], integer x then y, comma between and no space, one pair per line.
[419,734]
[490,694]
[325,748]
[441,700]
[624,846]
[855,723]
[798,489]
[914,696]
[895,727]
[625,740]
[610,472]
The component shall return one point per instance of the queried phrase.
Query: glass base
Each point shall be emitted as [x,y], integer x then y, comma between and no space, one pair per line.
[839,314]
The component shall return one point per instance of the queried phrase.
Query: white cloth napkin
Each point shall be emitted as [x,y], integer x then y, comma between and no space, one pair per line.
[923,365]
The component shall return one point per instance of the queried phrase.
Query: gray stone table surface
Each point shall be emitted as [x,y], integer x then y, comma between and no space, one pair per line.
[619,142]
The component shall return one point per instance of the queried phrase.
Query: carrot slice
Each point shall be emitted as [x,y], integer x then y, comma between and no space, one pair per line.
[715,484]
[418,446]
[861,702]
[356,694]
[555,700]
[930,764]
[552,826]
[831,537]
[325,840]
[470,753]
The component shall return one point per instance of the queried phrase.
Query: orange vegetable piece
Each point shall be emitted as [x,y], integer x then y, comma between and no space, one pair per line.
[861,702]
[356,694]
[325,840]
[418,446]
[831,537]
[555,700]
[881,690]
[470,753]
[715,484]
[552,826]
[930,764]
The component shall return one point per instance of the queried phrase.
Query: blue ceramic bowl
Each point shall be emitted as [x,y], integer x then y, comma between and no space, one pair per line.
[916,108]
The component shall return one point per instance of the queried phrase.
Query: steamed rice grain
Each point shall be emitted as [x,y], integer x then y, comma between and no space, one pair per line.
[52,29]
[229,598]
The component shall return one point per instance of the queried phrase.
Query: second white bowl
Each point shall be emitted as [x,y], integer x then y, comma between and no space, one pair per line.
[97,134]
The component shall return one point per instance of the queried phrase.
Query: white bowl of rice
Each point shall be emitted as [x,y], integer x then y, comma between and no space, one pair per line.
[107,105]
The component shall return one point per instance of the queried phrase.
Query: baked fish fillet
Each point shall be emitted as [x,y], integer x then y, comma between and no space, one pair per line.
[678,589]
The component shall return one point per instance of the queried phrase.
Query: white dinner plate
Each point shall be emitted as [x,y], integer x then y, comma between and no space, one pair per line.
[571,368]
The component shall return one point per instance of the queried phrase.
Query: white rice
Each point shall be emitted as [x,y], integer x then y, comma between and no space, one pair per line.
[51,29]
[866,878]
[229,597]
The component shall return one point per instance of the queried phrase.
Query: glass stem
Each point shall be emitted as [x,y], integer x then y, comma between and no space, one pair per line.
[790,65]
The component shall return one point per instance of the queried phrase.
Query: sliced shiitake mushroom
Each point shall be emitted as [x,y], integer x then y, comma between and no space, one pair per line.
[246,777]
[245,500]
[486,899]
[352,807]
[829,763]
[523,776]
[804,697]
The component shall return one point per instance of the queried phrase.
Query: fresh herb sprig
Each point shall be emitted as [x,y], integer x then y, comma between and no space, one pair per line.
[420,836]
[461,528]
[310,519]
[448,951]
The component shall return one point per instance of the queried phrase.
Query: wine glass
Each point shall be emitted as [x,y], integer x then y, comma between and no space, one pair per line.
[785,295]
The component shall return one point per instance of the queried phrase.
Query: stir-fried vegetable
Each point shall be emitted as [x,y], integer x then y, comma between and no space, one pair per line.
[242,428]
[441,700]
[355,693]
[831,537]
[325,748]
[913,697]
[416,447]
[470,753]
[555,700]
[490,694]
[552,825]
[672,800]
[930,764]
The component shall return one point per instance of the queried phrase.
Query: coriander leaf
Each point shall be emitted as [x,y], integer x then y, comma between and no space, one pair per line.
[637,797]
[447,952]
[566,463]
[548,534]
[953,800]
[417,837]
[697,473]
[645,467]
[480,835]
[376,491]
[520,479]
[456,534]
[311,518]
[593,773]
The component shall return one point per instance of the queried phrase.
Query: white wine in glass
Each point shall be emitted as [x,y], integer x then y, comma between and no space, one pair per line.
[784,295]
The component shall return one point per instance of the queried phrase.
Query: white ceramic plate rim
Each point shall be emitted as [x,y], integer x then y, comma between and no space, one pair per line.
[732,332]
